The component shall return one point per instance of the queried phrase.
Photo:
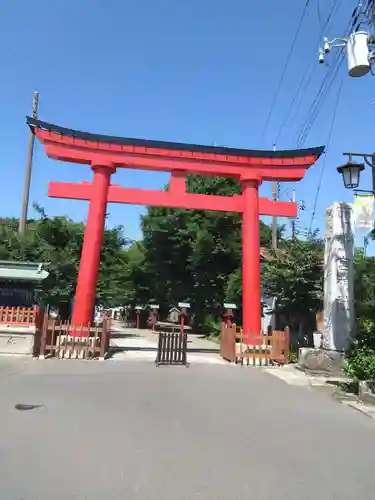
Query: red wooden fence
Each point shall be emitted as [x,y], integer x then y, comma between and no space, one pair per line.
[19,316]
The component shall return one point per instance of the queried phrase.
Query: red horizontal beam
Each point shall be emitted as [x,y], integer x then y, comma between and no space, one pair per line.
[287,170]
[146,197]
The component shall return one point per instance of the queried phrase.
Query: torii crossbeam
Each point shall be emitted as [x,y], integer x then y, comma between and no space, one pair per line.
[105,154]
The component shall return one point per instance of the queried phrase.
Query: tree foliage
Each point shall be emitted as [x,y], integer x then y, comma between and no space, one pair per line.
[295,277]
[360,362]
[192,254]
[57,242]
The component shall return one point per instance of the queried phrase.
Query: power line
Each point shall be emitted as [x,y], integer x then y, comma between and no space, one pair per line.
[319,99]
[304,83]
[325,155]
[321,96]
[319,12]
[326,83]
[307,76]
[293,101]
[285,67]
[328,80]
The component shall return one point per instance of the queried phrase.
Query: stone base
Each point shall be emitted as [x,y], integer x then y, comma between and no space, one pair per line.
[366,392]
[320,360]
[17,340]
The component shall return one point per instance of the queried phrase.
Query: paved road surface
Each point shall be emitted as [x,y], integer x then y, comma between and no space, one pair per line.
[129,430]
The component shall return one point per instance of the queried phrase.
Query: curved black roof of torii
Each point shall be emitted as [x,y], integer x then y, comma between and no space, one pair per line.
[178,146]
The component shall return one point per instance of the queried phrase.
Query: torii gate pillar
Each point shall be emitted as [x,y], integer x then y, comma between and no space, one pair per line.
[84,301]
[251,306]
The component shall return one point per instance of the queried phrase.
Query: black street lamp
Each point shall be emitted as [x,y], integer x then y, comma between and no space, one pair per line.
[350,174]
[351,171]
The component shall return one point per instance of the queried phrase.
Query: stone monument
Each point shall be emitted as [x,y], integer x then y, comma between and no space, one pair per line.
[338,292]
[338,277]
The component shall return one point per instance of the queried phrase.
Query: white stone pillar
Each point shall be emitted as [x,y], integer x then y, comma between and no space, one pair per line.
[338,277]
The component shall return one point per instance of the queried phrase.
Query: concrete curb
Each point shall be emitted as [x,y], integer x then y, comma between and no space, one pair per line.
[293,376]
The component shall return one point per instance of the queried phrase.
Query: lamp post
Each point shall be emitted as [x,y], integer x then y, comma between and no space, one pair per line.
[351,171]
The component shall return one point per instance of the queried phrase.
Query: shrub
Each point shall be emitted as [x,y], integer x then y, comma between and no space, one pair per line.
[212,326]
[360,364]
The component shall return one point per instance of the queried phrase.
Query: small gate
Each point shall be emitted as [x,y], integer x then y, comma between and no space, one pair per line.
[172,349]
[267,349]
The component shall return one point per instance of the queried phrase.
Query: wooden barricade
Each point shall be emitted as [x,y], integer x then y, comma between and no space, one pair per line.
[266,349]
[228,337]
[64,340]
[172,349]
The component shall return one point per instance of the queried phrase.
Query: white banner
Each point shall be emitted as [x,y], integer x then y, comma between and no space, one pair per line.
[363,211]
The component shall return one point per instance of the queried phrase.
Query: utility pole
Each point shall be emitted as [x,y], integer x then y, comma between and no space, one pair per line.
[29,162]
[294,235]
[274,219]
[359,49]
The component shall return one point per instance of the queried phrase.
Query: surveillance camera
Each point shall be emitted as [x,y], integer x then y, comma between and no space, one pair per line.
[326,46]
[321,57]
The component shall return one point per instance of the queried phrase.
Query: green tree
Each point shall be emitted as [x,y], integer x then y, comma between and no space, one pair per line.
[295,277]
[57,242]
[192,254]
[364,289]
[360,361]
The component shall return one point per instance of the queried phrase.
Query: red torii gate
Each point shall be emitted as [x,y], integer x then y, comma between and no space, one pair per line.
[105,154]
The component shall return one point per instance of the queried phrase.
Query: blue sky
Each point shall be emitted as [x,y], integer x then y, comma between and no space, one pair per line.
[198,71]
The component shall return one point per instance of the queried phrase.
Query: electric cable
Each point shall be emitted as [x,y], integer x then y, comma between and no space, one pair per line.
[319,12]
[304,83]
[333,120]
[307,76]
[314,109]
[291,50]
[316,106]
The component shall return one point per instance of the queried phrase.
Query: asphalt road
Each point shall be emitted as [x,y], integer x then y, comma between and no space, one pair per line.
[118,430]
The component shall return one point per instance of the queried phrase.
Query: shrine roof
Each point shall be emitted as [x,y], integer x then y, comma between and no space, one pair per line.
[177,146]
[22,271]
